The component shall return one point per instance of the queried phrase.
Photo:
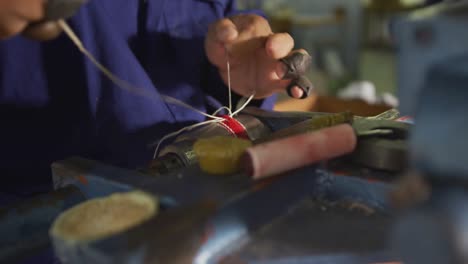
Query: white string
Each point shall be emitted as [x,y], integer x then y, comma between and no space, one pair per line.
[244,105]
[136,90]
[229,79]
[187,128]
[221,109]
[173,100]
[231,114]
[119,82]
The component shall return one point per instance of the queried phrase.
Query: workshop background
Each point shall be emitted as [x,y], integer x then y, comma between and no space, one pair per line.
[400,196]
[353,53]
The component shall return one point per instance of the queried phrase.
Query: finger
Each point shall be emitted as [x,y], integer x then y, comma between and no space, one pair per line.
[296,92]
[250,25]
[226,31]
[43,31]
[279,45]
[30,10]
[219,33]
[10,26]
[281,69]
[15,15]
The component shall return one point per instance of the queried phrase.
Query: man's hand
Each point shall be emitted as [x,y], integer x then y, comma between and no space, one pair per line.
[16,16]
[254,53]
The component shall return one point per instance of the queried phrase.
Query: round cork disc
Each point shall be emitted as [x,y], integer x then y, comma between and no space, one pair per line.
[103,217]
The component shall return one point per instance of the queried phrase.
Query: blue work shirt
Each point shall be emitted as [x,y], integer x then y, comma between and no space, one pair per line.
[55,104]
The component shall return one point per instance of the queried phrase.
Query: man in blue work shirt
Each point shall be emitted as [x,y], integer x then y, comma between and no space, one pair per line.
[54,103]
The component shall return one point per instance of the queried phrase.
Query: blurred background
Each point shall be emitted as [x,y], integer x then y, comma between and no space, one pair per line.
[353,53]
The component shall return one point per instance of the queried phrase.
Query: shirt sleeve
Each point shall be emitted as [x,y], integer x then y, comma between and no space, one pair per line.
[231,10]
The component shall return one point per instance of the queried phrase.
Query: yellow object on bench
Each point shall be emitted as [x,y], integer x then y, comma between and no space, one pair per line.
[220,155]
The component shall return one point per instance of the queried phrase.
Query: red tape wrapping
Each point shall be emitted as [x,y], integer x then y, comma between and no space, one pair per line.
[234,127]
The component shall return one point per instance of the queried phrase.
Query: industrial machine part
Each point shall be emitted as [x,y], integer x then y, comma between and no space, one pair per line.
[256,124]
[382,142]
[220,155]
[382,153]
[24,226]
[432,63]
[213,216]
[205,218]
[381,145]
[209,217]
[425,38]
[359,227]
[280,156]
[309,125]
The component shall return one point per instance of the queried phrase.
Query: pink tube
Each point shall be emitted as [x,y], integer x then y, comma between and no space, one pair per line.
[290,153]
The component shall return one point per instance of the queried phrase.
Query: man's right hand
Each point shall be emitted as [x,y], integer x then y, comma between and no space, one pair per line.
[18,16]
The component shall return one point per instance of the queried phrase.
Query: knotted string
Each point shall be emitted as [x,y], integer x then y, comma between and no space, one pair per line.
[142,92]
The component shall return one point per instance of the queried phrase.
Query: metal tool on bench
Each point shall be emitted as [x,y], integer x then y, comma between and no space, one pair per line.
[256,122]
[239,207]
[382,144]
